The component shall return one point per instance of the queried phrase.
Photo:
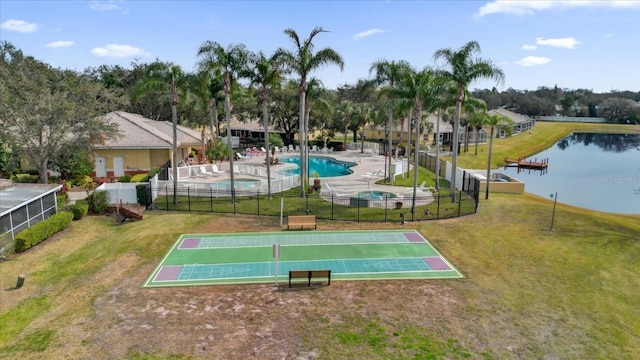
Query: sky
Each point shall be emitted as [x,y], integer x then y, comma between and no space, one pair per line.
[570,44]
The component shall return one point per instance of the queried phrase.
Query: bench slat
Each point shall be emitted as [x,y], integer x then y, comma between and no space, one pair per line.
[309,274]
[301,220]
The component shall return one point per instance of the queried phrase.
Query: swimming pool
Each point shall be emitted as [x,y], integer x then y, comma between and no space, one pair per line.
[376,195]
[324,166]
[239,184]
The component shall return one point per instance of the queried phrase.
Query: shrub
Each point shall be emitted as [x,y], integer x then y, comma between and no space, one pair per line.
[61,199]
[98,201]
[79,210]
[142,194]
[124,178]
[140,178]
[24,178]
[153,172]
[41,231]
[82,181]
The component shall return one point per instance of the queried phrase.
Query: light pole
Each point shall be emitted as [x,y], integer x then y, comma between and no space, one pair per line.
[555,197]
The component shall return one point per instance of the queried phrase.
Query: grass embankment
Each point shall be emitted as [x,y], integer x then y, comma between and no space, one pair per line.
[530,293]
[525,144]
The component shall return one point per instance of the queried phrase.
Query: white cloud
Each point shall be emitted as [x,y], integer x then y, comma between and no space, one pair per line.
[19,26]
[607,36]
[529,47]
[528,7]
[369,32]
[567,42]
[109,5]
[533,61]
[118,51]
[59,44]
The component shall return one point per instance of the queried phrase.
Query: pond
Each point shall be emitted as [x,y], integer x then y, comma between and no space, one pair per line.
[593,171]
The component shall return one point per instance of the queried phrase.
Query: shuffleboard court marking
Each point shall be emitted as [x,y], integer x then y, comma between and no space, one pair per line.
[177,267]
[190,243]
[168,273]
[436,263]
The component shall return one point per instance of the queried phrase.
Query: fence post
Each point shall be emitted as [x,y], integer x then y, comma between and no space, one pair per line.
[438,208]
[332,203]
[386,207]
[166,195]
[189,198]
[258,197]
[459,203]
[211,198]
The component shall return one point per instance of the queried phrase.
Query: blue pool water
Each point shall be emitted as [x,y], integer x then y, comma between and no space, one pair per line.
[376,195]
[240,184]
[324,166]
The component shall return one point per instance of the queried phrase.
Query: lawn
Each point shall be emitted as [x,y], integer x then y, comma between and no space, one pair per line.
[530,293]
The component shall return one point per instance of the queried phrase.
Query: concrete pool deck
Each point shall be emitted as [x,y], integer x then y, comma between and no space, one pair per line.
[358,181]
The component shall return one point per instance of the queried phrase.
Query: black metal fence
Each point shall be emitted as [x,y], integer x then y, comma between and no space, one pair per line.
[356,207]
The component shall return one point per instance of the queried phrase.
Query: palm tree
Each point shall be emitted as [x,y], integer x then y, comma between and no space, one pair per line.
[494,121]
[316,92]
[442,101]
[421,89]
[473,108]
[165,77]
[303,61]
[346,109]
[464,69]
[264,73]
[388,74]
[230,62]
[365,114]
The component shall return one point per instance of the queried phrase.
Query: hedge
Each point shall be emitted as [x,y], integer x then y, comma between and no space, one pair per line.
[79,210]
[39,232]
[140,178]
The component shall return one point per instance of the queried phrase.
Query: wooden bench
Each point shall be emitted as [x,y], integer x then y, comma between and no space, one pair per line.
[310,274]
[301,220]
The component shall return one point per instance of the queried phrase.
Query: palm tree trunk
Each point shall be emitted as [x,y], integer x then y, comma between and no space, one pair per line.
[174,166]
[212,112]
[303,178]
[227,108]
[486,195]
[265,119]
[390,141]
[454,156]
[476,136]
[407,151]
[415,162]
[438,150]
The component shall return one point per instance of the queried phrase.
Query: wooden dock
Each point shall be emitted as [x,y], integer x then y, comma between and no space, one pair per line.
[522,163]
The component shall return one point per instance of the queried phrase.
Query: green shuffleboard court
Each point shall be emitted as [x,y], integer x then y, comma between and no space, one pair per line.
[242,258]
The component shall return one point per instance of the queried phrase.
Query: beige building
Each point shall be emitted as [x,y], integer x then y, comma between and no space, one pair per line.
[142,144]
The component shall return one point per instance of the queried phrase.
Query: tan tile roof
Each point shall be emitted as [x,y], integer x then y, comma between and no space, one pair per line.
[136,131]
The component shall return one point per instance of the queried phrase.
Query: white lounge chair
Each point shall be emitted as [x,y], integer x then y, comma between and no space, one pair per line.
[204,172]
[241,157]
[217,171]
[291,147]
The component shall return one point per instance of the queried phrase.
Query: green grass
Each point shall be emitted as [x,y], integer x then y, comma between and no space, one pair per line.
[13,322]
[323,209]
[543,136]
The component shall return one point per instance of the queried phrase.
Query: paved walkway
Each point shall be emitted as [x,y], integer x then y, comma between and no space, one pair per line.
[369,169]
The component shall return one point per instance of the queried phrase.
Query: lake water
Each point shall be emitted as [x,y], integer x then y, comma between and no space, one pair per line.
[593,171]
